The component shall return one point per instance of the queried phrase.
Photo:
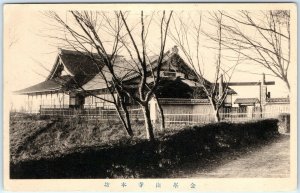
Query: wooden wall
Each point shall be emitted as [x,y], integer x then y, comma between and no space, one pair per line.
[92,101]
[34,102]
[277,107]
[187,108]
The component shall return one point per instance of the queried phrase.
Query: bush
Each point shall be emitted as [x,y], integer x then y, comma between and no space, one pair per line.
[284,122]
[142,159]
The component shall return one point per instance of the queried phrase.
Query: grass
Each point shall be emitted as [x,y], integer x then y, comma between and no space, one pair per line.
[43,147]
[33,137]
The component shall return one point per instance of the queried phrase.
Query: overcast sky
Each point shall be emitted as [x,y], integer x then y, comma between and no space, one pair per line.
[27,47]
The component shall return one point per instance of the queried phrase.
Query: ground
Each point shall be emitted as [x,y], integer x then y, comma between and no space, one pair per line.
[267,161]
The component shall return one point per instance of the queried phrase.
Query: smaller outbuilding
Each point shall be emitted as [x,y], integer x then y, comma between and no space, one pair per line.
[242,102]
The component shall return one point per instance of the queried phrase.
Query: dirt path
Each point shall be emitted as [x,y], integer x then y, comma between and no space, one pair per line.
[270,161]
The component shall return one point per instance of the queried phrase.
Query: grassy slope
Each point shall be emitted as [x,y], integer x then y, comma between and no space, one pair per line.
[34,137]
[73,148]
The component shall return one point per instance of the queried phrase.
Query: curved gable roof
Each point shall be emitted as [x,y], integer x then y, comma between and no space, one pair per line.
[83,70]
[79,63]
[80,67]
[54,84]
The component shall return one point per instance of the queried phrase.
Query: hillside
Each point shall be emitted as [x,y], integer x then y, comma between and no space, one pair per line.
[33,137]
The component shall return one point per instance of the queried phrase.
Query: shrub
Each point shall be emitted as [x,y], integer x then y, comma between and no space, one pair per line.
[284,122]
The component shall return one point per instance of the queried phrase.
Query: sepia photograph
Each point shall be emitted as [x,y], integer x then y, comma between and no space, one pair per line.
[188,92]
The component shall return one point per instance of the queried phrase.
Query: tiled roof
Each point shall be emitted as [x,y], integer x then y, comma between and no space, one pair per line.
[124,68]
[48,85]
[278,100]
[153,62]
[128,70]
[85,72]
[182,101]
[96,83]
[79,62]
[80,65]
[246,101]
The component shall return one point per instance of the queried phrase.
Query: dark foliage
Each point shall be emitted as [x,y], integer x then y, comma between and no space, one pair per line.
[144,159]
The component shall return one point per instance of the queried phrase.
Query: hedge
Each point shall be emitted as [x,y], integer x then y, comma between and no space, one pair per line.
[284,122]
[144,159]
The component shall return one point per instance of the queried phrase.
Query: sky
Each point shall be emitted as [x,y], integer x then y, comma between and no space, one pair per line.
[29,54]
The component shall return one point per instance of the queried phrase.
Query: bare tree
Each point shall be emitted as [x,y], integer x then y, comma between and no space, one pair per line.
[88,37]
[143,65]
[264,38]
[147,69]
[187,35]
[84,38]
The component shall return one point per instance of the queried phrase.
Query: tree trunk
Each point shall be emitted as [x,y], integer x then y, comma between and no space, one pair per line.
[127,118]
[215,109]
[261,110]
[217,115]
[126,123]
[148,123]
[162,116]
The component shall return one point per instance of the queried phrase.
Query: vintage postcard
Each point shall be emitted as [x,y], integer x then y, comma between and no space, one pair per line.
[150,97]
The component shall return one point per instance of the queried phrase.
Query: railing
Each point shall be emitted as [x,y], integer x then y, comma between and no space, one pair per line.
[54,106]
[188,118]
[232,115]
[207,118]
[91,113]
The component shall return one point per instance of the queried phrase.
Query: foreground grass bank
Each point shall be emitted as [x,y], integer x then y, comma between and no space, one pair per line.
[62,149]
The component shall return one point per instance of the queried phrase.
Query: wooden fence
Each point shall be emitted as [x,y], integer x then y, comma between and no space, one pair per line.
[234,114]
[90,113]
[207,118]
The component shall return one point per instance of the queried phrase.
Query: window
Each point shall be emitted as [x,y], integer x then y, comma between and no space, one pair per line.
[72,100]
